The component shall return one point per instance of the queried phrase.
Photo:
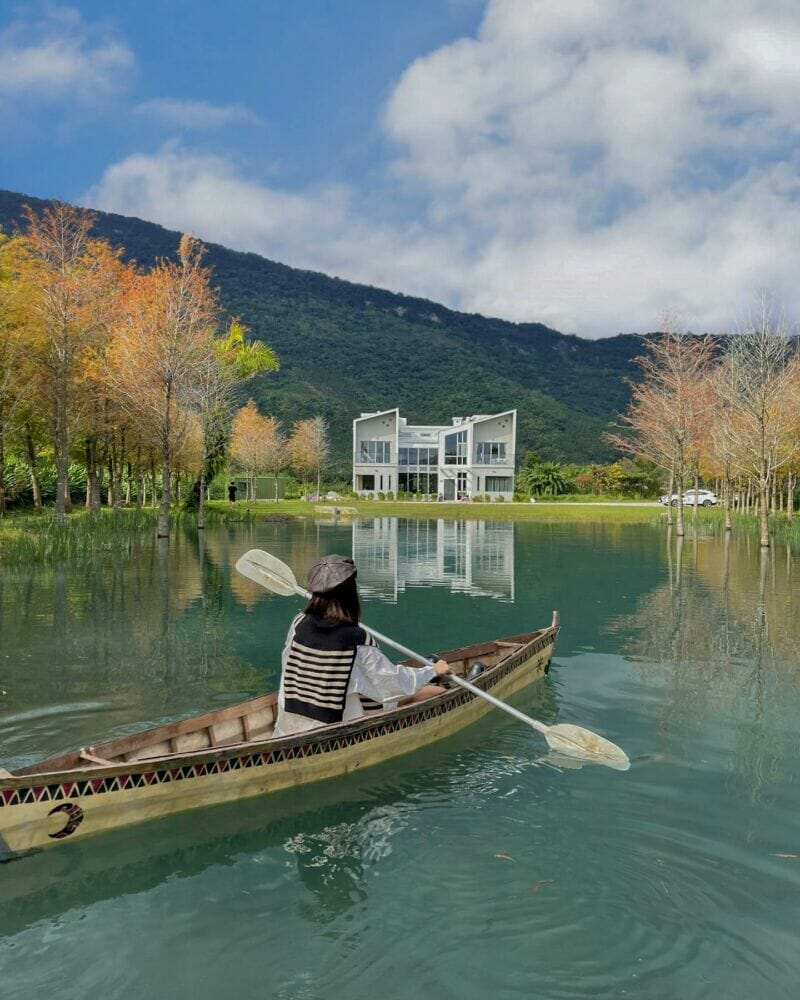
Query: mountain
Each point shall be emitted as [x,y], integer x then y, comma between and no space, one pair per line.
[346,348]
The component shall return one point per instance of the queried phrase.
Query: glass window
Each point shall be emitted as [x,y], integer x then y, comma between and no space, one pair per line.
[499,484]
[403,456]
[367,482]
[375,451]
[491,452]
[455,448]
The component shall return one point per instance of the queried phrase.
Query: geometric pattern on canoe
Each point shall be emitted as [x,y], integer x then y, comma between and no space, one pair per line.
[121,782]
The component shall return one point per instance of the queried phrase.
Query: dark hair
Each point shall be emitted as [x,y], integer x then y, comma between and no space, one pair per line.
[340,604]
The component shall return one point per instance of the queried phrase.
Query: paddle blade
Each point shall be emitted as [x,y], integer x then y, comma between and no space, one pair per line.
[269,572]
[574,741]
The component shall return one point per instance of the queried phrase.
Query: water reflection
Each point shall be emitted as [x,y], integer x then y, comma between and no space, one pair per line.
[721,633]
[472,557]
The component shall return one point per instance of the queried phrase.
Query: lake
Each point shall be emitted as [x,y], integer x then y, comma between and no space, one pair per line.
[479,868]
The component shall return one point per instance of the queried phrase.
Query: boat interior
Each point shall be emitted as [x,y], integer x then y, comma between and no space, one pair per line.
[236,725]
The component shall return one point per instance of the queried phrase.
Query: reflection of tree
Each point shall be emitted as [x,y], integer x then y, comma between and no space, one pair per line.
[722,634]
[138,637]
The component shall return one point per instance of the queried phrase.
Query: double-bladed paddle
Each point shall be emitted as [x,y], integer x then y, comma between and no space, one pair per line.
[574,741]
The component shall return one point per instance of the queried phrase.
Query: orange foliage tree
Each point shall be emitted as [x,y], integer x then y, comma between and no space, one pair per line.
[70,284]
[159,346]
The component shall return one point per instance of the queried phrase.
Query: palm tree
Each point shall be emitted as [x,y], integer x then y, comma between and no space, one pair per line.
[545,478]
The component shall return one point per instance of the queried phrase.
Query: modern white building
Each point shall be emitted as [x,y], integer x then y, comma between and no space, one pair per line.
[472,455]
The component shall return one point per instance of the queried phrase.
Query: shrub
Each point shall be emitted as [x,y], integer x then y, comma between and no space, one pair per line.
[381,495]
[500,498]
[390,495]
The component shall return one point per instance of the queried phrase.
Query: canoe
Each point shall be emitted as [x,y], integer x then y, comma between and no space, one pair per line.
[229,754]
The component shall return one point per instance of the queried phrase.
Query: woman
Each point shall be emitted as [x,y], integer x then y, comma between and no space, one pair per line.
[330,665]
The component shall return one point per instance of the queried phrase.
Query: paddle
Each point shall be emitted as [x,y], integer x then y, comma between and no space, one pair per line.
[574,741]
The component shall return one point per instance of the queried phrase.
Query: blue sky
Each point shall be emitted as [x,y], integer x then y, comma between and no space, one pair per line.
[589,164]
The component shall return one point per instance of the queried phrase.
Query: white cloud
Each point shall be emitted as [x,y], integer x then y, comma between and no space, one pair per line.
[57,56]
[176,113]
[588,164]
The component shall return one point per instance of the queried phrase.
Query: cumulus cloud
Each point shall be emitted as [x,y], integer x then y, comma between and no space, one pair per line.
[175,113]
[57,56]
[585,164]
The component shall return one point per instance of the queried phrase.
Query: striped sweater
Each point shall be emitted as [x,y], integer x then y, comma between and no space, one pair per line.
[334,672]
[318,667]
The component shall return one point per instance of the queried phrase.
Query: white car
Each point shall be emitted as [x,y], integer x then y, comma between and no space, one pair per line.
[705,498]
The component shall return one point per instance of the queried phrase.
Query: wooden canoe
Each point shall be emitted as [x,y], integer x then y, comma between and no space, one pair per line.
[230,754]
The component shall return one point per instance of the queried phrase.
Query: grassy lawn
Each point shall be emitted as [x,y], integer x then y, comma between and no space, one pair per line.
[544,512]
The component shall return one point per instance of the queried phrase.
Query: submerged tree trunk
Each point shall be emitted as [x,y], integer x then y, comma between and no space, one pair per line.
[670,487]
[763,516]
[728,498]
[201,508]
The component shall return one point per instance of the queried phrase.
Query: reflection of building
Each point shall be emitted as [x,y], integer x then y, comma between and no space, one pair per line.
[471,455]
[476,557]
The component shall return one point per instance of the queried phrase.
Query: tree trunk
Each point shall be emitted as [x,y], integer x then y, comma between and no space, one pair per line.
[2,475]
[670,488]
[789,496]
[61,449]
[728,497]
[119,467]
[162,529]
[773,502]
[201,509]
[89,461]
[681,528]
[763,515]
[696,488]
[110,491]
[35,485]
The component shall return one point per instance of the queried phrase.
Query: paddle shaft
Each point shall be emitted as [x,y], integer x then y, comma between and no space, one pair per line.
[508,709]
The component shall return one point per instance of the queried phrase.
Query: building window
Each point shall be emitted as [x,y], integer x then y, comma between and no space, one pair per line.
[491,452]
[378,452]
[367,482]
[499,484]
[455,448]
[417,482]
[424,456]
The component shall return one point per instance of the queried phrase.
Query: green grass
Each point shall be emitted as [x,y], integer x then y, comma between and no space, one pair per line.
[540,511]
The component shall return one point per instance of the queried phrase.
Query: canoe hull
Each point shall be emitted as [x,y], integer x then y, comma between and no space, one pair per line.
[42,810]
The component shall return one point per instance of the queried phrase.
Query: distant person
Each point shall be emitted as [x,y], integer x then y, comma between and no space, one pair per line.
[232,488]
[329,661]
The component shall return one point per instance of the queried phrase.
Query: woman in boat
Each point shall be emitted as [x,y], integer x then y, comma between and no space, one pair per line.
[332,667]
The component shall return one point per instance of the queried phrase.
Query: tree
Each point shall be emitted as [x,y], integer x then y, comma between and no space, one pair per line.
[667,408]
[12,359]
[757,385]
[543,478]
[257,444]
[161,346]
[70,285]
[229,361]
[309,448]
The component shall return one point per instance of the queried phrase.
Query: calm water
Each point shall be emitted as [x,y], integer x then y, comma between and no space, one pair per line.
[475,869]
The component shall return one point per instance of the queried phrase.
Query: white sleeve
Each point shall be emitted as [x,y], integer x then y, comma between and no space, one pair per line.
[376,677]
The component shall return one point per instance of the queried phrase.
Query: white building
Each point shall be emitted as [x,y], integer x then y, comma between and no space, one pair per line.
[473,455]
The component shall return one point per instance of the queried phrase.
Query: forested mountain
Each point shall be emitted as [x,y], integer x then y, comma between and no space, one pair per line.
[346,347]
